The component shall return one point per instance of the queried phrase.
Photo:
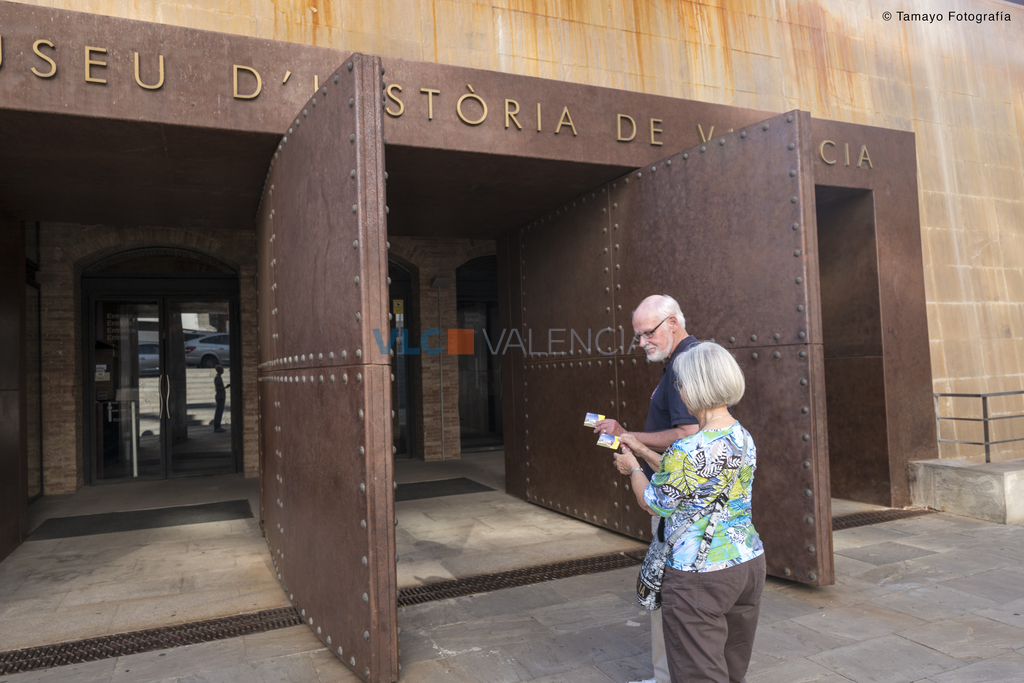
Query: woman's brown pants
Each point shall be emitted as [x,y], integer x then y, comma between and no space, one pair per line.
[710,619]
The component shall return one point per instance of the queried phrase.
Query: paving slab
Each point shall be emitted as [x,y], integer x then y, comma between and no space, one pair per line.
[968,637]
[1005,669]
[888,659]
[999,585]
[884,553]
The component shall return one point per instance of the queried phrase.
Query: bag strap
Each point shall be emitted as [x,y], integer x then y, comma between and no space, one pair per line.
[714,506]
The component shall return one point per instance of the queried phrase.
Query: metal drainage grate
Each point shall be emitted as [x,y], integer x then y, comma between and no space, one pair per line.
[105,647]
[454,588]
[856,519]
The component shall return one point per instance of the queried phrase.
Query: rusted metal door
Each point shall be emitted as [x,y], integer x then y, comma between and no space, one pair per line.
[728,229]
[326,480]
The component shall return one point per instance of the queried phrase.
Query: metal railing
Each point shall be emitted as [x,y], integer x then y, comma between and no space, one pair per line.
[984,419]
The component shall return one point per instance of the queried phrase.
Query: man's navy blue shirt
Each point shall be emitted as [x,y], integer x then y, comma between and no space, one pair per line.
[667,408]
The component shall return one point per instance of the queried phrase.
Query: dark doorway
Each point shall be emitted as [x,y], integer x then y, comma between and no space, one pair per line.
[162,367]
[480,411]
[852,333]
[400,306]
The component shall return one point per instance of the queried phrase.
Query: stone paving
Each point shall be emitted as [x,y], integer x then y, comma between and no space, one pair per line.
[933,599]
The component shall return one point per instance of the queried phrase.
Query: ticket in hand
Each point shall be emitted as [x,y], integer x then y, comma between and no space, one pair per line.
[608,441]
[592,419]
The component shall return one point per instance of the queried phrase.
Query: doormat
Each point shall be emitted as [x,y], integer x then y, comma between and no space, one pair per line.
[121,644]
[134,520]
[439,488]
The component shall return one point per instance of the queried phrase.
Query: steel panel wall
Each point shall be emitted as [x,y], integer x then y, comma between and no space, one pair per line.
[728,228]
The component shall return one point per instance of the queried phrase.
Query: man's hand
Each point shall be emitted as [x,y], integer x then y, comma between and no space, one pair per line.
[629,439]
[609,426]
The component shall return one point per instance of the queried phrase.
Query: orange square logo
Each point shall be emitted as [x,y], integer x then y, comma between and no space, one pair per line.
[460,342]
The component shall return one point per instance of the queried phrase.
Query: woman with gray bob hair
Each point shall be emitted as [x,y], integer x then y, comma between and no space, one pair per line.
[715,571]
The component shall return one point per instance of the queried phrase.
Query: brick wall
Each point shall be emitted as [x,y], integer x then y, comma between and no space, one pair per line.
[426,259]
[65,250]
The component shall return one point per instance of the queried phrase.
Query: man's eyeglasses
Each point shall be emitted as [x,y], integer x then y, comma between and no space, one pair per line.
[649,333]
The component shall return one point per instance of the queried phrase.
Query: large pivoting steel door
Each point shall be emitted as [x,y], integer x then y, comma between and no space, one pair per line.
[728,229]
[327,499]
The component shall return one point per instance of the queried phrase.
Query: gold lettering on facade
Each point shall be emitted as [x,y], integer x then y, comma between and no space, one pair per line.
[430,101]
[847,146]
[538,117]
[90,62]
[821,151]
[510,114]
[287,75]
[703,138]
[138,78]
[618,123]
[458,107]
[565,120]
[655,130]
[254,72]
[394,98]
[316,83]
[53,65]
[864,157]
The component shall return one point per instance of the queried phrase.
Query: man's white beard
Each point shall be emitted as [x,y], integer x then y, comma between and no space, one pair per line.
[659,356]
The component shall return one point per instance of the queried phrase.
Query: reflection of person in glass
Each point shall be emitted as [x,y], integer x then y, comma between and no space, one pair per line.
[220,394]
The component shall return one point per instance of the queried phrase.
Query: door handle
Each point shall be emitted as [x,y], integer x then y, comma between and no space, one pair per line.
[160,395]
[167,400]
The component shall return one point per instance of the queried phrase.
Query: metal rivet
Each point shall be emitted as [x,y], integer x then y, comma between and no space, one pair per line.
[721,142]
[336,80]
[792,146]
[789,119]
[795,226]
[743,134]
[352,661]
[808,493]
[796,253]
[807,464]
[703,149]
[794,200]
[809,520]
[360,413]
[753,337]
[802,335]
[352,137]
[351,102]
[349,66]
[764,127]
[776,336]
[667,163]
[787,571]
[359,353]
[754,355]
[803,382]
[777,355]
[305,112]
[799,280]
[732,340]
[810,548]
[812,576]
[359,315]
[803,354]
[686,156]
[805,410]
[806,437]
[800,308]
[792,174]
[332,378]
[362,524]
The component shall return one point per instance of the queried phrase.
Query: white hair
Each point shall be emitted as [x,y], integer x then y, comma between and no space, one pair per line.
[708,377]
[664,306]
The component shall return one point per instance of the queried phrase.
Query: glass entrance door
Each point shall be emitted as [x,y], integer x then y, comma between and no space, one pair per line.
[126,397]
[199,362]
[160,378]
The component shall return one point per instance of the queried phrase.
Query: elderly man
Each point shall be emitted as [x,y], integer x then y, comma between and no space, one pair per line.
[660,330]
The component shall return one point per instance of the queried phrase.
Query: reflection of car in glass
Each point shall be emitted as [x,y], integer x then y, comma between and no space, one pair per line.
[149,360]
[208,351]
